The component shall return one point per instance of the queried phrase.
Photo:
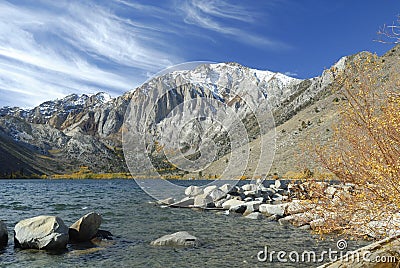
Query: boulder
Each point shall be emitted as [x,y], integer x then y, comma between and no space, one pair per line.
[209,189]
[229,189]
[85,228]
[238,208]
[185,202]
[219,203]
[232,202]
[255,216]
[299,219]
[167,201]
[267,192]
[179,239]
[249,187]
[42,232]
[261,199]
[193,191]
[252,206]
[279,197]
[295,207]
[3,235]
[286,220]
[203,201]
[252,194]
[103,234]
[269,209]
[217,194]
[273,218]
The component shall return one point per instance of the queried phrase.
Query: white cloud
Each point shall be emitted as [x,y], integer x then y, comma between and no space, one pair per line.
[49,49]
[293,74]
[45,53]
[207,14]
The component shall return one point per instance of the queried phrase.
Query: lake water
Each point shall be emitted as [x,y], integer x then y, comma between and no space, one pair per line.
[228,241]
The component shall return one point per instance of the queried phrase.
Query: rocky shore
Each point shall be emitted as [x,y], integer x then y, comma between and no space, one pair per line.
[50,232]
[288,203]
[263,200]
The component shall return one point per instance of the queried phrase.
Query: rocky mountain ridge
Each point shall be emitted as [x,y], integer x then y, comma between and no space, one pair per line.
[87,130]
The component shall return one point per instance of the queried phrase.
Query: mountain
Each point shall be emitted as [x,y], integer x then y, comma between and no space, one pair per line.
[62,135]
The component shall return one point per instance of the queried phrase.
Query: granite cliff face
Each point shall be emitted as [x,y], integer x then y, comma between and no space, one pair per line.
[62,135]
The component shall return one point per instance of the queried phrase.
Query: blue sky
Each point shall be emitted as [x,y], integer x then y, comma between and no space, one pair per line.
[49,49]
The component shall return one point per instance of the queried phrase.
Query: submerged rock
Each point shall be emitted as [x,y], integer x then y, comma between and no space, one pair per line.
[180,239]
[103,234]
[3,235]
[255,216]
[85,228]
[42,232]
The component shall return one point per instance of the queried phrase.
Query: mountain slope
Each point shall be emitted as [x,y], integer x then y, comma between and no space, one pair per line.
[60,136]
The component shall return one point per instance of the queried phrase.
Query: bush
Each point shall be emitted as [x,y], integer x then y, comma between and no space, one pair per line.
[365,148]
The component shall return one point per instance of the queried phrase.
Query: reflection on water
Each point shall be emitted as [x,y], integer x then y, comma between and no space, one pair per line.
[227,240]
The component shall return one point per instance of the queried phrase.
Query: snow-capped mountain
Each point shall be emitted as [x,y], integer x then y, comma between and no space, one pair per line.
[87,129]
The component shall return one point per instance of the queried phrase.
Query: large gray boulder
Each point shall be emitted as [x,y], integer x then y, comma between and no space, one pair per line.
[85,228]
[203,201]
[229,189]
[249,187]
[3,235]
[231,203]
[217,194]
[270,209]
[295,207]
[42,232]
[193,191]
[209,189]
[252,206]
[178,239]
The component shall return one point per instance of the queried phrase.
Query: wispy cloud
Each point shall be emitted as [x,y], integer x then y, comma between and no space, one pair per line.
[49,49]
[46,53]
[293,74]
[208,15]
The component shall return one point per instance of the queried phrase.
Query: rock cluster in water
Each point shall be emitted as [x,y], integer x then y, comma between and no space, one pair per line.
[51,233]
[279,201]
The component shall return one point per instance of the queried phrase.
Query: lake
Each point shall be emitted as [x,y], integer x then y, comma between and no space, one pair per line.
[228,241]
